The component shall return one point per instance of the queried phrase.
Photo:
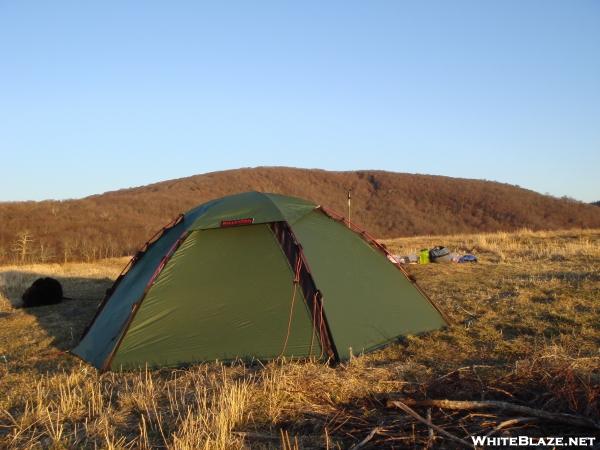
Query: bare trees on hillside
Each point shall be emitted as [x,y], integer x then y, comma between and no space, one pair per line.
[85,245]
[22,245]
[386,204]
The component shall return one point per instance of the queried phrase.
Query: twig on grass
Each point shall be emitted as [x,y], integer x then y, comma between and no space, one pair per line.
[460,369]
[568,419]
[510,423]
[362,443]
[407,409]
[431,436]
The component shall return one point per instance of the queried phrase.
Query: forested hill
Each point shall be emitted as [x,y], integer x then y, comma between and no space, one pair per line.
[386,204]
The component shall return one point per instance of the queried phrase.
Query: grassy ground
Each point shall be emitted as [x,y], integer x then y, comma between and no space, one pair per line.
[526,329]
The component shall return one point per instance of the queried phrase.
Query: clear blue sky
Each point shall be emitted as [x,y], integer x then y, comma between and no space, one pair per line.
[97,96]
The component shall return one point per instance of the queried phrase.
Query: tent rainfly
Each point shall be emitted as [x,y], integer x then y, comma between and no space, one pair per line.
[255,275]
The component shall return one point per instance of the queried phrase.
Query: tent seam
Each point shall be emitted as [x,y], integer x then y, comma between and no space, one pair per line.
[138,304]
[130,264]
[302,256]
[267,195]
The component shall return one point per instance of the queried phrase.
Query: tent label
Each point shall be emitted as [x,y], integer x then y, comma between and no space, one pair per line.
[236,222]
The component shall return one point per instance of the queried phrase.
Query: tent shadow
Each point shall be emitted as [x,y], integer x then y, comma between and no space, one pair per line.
[65,321]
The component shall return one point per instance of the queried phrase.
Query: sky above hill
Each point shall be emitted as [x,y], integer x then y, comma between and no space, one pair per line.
[96,96]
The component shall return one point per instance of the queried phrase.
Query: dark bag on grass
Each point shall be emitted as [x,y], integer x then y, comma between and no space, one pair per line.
[439,253]
[43,291]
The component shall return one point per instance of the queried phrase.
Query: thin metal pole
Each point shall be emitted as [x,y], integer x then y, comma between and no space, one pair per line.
[349,203]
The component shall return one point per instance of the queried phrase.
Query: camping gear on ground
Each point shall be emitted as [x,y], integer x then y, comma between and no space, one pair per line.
[43,291]
[424,256]
[450,257]
[393,259]
[439,254]
[255,275]
[408,259]
[401,259]
[468,259]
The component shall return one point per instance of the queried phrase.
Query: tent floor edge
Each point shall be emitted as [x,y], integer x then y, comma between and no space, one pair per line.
[293,252]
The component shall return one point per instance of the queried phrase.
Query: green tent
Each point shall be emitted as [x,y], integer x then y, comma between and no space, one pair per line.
[254,275]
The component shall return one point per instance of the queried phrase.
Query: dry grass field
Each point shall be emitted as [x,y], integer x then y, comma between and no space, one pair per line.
[526,330]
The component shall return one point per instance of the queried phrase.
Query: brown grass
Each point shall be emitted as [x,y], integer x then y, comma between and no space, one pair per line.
[526,329]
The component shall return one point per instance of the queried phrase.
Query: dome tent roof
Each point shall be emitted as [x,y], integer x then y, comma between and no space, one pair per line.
[254,275]
[259,206]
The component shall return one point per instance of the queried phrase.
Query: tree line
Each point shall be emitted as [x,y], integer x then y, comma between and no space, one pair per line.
[384,203]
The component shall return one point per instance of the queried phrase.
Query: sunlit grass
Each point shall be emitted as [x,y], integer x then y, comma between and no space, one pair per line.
[525,328]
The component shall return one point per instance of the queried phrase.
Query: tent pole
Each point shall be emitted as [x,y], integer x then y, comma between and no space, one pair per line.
[349,203]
